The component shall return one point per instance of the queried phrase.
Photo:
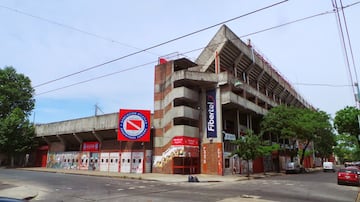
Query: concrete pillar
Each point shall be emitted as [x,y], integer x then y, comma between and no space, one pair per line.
[79,140]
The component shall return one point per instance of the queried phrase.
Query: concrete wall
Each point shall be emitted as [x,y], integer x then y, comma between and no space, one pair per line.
[103,122]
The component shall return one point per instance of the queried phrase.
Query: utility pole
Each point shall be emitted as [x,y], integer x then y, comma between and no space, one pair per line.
[357,98]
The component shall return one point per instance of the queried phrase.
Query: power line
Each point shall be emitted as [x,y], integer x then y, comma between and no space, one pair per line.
[98,77]
[197,49]
[288,23]
[70,27]
[253,33]
[158,45]
[349,42]
[343,43]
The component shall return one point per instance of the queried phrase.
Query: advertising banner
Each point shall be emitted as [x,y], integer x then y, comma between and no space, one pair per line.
[211,114]
[90,146]
[134,125]
[185,141]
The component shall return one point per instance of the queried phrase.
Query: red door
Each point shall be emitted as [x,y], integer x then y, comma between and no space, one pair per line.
[43,158]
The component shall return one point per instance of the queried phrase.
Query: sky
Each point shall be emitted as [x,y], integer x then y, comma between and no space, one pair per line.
[47,40]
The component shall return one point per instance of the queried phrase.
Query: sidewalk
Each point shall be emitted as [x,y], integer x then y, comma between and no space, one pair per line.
[157,176]
[25,191]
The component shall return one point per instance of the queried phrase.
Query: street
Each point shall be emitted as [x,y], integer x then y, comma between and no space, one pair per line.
[317,186]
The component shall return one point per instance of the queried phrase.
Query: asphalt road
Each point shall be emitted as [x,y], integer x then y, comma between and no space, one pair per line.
[316,186]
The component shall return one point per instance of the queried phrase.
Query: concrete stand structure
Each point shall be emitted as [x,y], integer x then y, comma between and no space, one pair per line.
[199,108]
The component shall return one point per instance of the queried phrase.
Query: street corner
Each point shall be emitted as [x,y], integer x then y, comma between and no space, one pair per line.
[19,192]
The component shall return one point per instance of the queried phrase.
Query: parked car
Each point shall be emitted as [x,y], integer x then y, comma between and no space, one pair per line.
[353,163]
[349,175]
[328,166]
[293,167]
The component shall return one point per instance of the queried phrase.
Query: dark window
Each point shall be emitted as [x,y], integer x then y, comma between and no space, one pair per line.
[227,163]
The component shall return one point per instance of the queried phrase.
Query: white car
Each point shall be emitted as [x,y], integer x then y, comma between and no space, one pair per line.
[293,167]
[328,166]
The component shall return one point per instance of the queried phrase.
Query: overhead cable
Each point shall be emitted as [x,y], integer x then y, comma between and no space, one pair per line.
[69,27]
[197,49]
[158,45]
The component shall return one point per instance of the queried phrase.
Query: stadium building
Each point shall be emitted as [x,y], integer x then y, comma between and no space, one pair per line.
[199,108]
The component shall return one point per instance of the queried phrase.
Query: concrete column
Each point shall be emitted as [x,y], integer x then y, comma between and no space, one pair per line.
[237,123]
[79,140]
[249,121]
[203,115]
[99,139]
[219,124]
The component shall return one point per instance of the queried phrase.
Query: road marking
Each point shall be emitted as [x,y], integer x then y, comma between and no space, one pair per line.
[131,188]
[276,183]
[120,189]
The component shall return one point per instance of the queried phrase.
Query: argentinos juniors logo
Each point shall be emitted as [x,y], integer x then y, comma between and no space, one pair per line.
[134,125]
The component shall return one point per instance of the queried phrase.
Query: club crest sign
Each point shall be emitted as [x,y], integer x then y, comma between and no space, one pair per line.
[134,125]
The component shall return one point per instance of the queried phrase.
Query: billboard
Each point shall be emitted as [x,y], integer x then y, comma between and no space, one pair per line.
[211,114]
[134,125]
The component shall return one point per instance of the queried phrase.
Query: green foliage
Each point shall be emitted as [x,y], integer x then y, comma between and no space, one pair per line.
[324,144]
[346,121]
[16,104]
[250,147]
[266,149]
[302,124]
[347,148]
[16,133]
[279,121]
[15,92]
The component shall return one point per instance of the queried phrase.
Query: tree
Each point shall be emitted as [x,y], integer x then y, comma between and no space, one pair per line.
[16,104]
[250,147]
[324,144]
[279,121]
[297,124]
[311,126]
[346,147]
[346,121]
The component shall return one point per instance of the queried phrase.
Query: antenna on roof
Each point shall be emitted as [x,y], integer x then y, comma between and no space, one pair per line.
[97,108]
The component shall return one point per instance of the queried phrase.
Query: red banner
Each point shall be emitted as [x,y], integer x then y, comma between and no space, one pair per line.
[134,125]
[90,146]
[185,141]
